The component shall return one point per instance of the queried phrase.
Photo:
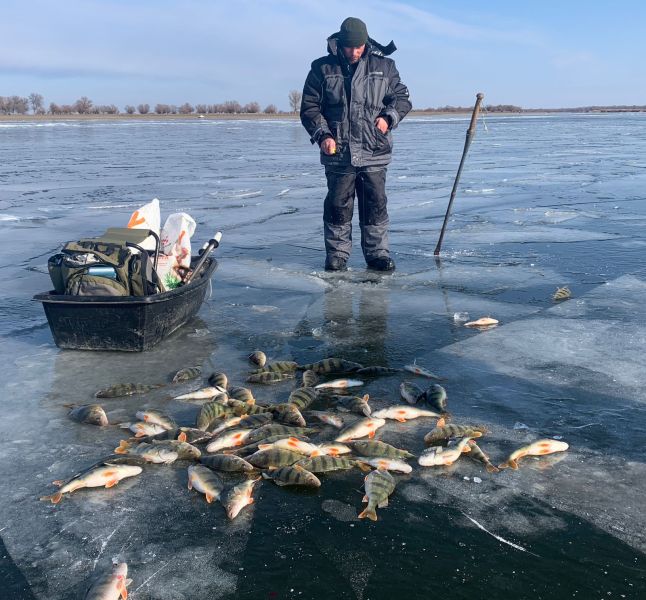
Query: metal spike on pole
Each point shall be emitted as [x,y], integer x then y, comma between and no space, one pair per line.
[470,134]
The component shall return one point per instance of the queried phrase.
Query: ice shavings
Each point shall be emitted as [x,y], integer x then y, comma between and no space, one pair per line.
[499,538]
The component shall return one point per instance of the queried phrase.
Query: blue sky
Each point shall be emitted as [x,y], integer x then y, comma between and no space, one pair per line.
[533,54]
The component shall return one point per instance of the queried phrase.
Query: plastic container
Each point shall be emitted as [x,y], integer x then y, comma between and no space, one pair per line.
[125,323]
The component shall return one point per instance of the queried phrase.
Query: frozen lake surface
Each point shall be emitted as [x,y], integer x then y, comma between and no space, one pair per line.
[544,202]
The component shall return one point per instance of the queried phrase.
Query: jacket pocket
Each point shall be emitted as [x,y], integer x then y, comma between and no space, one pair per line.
[333,92]
[383,143]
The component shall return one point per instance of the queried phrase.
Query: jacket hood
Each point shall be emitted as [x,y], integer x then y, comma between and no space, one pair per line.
[373,46]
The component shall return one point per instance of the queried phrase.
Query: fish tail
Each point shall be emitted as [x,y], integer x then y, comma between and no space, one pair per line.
[123,447]
[363,466]
[369,512]
[54,498]
[441,422]
[509,464]
[492,468]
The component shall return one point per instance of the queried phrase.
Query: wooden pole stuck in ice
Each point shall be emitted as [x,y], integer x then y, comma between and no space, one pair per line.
[470,134]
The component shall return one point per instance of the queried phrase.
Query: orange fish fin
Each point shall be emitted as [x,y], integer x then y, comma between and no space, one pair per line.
[400,419]
[492,469]
[370,513]
[366,397]
[111,483]
[54,498]
[364,499]
[182,437]
[441,422]
[513,464]
[209,497]
[371,434]
[363,466]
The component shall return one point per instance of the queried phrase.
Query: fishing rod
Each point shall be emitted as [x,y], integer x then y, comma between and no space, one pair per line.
[208,247]
[470,134]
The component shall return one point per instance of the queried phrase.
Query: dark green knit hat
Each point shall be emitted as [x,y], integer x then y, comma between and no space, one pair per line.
[353,33]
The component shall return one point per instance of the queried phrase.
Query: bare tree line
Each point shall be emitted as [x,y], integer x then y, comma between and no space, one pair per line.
[16,105]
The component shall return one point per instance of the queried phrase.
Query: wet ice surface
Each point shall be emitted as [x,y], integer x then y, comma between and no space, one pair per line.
[567,208]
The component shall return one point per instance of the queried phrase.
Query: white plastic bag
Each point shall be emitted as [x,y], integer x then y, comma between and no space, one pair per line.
[176,238]
[147,217]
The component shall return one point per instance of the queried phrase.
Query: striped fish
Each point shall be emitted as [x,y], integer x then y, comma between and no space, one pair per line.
[230,463]
[332,365]
[206,481]
[282,366]
[303,397]
[258,358]
[274,458]
[379,486]
[295,475]
[241,393]
[288,414]
[187,374]
[477,454]
[126,389]
[269,378]
[325,463]
[441,435]
[376,448]
[210,413]
[310,378]
[219,380]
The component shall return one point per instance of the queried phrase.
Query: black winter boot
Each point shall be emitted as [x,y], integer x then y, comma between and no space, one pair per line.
[383,263]
[336,263]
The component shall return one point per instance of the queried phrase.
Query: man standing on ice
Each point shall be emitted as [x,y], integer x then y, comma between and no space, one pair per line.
[352,100]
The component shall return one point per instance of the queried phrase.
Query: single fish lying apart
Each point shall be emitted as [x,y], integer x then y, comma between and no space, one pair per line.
[101,475]
[121,390]
[110,586]
[379,485]
[296,476]
[561,294]
[92,414]
[483,323]
[187,374]
[258,358]
[421,371]
[205,481]
[538,448]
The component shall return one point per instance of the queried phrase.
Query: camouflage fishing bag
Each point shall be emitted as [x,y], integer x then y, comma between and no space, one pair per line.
[74,270]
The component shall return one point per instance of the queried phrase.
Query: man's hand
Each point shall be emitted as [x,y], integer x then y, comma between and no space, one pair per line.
[381,124]
[328,146]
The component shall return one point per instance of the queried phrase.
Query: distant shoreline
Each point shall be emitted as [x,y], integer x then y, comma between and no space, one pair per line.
[289,116]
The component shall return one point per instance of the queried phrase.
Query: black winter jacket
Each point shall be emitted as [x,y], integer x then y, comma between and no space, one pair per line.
[376,91]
